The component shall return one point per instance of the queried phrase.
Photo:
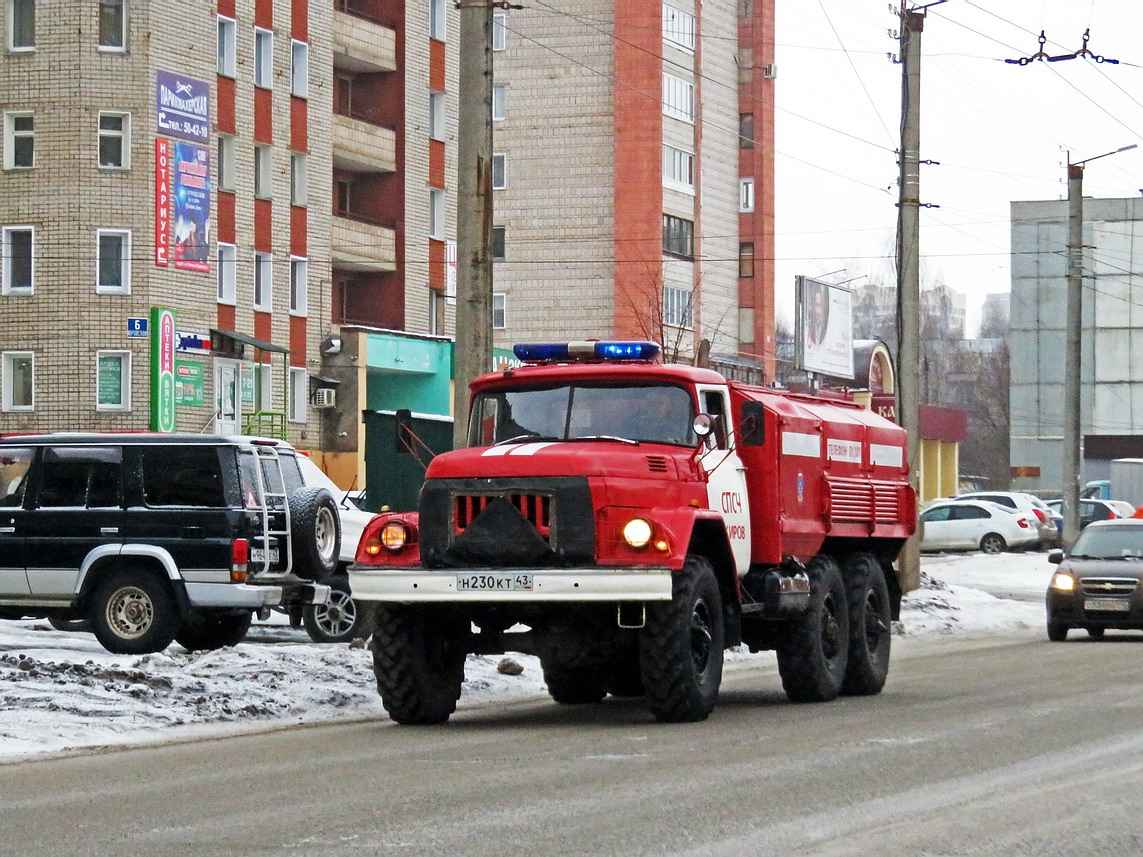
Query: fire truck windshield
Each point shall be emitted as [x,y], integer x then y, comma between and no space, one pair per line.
[658,413]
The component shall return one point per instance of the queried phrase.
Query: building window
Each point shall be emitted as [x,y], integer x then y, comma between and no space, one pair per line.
[263,281]
[677,307]
[344,194]
[264,386]
[16,273]
[19,140]
[227,47]
[263,58]
[746,195]
[678,98]
[678,169]
[746,130]
[21,25]
[225,162]
[113,24]
[262,178]
[678,236]
[115,140]
[227,274]
[300,70]
[499,103]
[499,171]
[19,369]
[436,213]
[113,262]
[438,19]
[679,27]
[746,259]
[113,380]
[299,175]
[343,95]
[499,240]
[299,286]
[437,312]
[499,32]
[298,394]
[498,313]
[436,115]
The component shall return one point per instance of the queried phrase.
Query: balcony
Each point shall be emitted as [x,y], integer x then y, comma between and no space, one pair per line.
[363,147]
[359,245]
[362,46]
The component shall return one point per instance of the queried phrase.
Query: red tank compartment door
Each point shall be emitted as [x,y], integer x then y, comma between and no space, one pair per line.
[726,474]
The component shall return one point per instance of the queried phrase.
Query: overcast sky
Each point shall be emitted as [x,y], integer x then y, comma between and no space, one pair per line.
[1001,132]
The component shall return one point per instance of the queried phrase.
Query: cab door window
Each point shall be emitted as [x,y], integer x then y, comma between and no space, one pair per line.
[14,465]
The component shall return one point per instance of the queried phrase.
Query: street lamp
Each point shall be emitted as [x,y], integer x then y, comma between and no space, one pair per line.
[1073,437]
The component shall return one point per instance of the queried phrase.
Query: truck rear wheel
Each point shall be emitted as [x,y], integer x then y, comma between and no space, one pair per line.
[680,648]
[813,655]
[418,661]
[574,685]
[870,627]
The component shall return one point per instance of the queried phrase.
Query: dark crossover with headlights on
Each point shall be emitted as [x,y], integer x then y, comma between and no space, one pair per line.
[1099,582]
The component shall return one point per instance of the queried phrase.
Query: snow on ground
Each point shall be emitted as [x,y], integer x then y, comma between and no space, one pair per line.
[62,691]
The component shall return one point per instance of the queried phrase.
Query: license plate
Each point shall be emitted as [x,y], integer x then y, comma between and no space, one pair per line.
[258,555]
[494,582]
[1114,605]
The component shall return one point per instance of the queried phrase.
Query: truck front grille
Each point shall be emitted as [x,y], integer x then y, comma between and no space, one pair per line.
[536,509]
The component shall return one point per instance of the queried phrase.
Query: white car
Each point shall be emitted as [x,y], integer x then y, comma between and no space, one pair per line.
[1030,505]
[976,525]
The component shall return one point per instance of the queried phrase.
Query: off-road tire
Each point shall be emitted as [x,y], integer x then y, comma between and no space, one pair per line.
[1057,631]
[339,620]
[813,655]
[870,626]
[70,625]
[993,543]
[133,612]
[206,631]
[418,661]
[315,532]
[574,685]
[680,647]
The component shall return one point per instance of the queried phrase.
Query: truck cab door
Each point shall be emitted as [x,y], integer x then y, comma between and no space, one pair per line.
[726,474]
[15,475]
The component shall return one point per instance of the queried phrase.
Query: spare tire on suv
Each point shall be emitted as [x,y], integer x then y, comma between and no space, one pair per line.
[315,532]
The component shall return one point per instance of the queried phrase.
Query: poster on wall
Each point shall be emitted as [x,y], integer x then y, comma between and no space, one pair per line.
[182,205]
[824,328]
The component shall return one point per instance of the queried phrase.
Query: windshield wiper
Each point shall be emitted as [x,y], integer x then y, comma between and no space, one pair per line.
[605,437]
[528,438]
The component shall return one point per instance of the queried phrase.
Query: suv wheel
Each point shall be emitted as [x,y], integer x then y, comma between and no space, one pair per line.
[133,612]
[315,532]
[338,621]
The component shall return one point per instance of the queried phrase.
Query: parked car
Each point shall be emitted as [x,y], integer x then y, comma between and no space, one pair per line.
[1099,582]
[1096,510]
[976,524]
[154,538]
[1050,533]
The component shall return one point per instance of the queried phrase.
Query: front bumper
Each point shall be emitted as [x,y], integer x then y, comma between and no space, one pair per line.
[1084,611]
[631,583]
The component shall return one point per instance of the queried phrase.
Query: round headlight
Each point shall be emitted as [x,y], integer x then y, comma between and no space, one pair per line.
[394,535]
[637,532]
[1063,582]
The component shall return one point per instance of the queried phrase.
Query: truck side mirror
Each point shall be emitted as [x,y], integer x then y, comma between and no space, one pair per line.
[752,429]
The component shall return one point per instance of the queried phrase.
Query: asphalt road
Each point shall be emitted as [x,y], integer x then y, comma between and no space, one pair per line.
[999,747]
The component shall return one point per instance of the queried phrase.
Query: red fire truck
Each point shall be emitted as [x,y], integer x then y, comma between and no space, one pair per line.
[626,521]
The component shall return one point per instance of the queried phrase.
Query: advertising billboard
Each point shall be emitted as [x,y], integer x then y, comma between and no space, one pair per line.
[182,107]
[824,328]
[182,205]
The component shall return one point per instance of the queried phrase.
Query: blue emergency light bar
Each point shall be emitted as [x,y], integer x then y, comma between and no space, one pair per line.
[589,351]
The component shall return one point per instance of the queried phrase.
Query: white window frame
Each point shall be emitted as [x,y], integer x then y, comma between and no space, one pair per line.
[124,286]
[124,136]
[226,171]
[299,286]
[299,179]
[499,308]
[436,213]
[438,20]
[678,169]
[499,102]
[264,386]
[499,31]
[678,98]
[227,62]
[263,175]
[7,365]
[227,274]
[436,116]
[678,310]
[6,287]
[124,403]
[501,159]
[745,195]
[111,48]
[299,394]
[11,134]
[263,58]
[264,282]
[299,69]
[11,25]
[679,27]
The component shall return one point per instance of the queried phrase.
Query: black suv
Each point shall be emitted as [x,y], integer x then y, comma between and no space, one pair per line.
[158,537]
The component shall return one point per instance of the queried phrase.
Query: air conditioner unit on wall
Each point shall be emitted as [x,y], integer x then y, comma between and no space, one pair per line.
[770,70]
[325,397]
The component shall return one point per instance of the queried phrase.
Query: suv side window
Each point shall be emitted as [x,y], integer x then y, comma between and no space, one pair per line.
[81,477]
[14,464]
[182,476]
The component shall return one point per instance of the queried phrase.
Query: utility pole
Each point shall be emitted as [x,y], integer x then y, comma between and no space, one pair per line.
[1073,439]
[473,352]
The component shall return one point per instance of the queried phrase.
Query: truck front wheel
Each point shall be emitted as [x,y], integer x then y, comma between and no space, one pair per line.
[418,661]
[573,685]
[870,627]
[813,655]
[680,648]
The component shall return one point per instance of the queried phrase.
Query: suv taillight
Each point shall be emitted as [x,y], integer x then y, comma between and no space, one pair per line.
[239,558]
